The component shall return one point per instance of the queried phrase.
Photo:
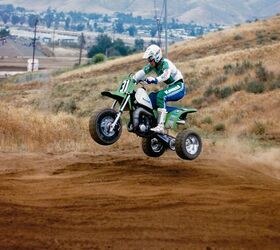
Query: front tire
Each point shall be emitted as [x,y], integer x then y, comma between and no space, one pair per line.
[99,127]
[188,145]
[152,146]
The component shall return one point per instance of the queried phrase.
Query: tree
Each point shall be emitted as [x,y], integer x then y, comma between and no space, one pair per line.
[9,8]
[67,23]
[106,19]
[95,26]
[118,26]
[120,47]
[32,20]
[103,42]
[139,44]
[49,18]
[132,30]
[5,17]
[22,20]
[80,27]
[15,19]
[4,33]
[153,31]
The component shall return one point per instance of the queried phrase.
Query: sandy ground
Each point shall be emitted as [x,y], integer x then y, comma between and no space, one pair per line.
[123,200]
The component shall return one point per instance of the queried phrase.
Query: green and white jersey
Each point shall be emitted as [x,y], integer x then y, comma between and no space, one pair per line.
[166,72]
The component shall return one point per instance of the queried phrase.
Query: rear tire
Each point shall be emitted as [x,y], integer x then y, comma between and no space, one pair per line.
[152,146]
[188,145]
[99,125]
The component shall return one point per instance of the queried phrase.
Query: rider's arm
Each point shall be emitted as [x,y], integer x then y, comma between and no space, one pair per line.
[140,75]
[166,73]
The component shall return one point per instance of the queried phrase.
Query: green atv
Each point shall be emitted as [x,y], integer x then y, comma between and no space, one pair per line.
[105,126]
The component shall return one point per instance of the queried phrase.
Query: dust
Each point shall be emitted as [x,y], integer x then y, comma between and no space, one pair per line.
[257,157]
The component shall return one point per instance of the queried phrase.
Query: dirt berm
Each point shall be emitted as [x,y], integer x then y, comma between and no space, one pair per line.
[124,200]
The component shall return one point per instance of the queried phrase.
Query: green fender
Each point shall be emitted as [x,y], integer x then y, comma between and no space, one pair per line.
[114,95]
[176,115]
[126,87]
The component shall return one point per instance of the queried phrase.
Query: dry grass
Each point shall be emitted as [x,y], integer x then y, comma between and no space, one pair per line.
[23,129]
[27,130]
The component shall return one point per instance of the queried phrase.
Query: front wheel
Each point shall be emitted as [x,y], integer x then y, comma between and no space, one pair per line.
[188,145]
[152,146]
[99,127]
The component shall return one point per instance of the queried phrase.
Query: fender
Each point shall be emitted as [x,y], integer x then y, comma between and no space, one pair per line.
[116,95]
[176,115]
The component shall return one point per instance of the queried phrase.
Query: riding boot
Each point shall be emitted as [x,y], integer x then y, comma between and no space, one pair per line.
[161,120]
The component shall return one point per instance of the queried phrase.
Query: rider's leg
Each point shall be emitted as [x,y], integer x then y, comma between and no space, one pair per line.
[174,92]
[153,98]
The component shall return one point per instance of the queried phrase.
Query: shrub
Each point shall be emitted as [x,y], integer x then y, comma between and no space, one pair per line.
[258,128]
[98,58]
[209,91]
[207,120]
[238,37]
[194,84]
[260,37]
[261,72]
[70,106]
[220,127]
[274,85]
[241,68]
[57,106]
[238,87]
[255,87]
[217,92]
[198,101]
[219,80]
[227,68]
[225,92]
[274,37]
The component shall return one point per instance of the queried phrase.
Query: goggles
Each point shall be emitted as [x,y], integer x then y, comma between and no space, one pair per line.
[150,59]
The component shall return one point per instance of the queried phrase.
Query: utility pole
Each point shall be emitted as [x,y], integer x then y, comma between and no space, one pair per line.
[82,43]
[165,24]
[53,38]
[34,43]
[159,32]
[158,24]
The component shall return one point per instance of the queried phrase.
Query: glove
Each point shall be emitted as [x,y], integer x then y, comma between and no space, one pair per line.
[150,80]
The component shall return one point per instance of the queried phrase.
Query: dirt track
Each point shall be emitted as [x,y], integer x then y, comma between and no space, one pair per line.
[95,201]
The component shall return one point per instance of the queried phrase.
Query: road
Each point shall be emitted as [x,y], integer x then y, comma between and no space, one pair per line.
[120,199]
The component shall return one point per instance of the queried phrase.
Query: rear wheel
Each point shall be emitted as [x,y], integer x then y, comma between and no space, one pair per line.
[153,147]
[188,145]
[99,127]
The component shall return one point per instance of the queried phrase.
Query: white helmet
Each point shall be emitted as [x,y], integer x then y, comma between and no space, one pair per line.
[153,52]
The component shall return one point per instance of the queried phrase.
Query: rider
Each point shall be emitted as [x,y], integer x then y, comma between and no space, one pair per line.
[167,73]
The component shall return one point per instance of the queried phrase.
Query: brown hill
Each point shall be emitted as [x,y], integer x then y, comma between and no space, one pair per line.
[213,11]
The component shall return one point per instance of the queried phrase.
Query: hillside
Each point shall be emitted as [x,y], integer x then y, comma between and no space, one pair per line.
[233,78]
[203,12]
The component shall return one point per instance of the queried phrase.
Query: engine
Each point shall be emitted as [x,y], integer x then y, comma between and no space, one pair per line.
[143,120]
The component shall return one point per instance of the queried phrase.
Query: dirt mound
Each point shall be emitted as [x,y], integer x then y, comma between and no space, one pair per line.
[104,200]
